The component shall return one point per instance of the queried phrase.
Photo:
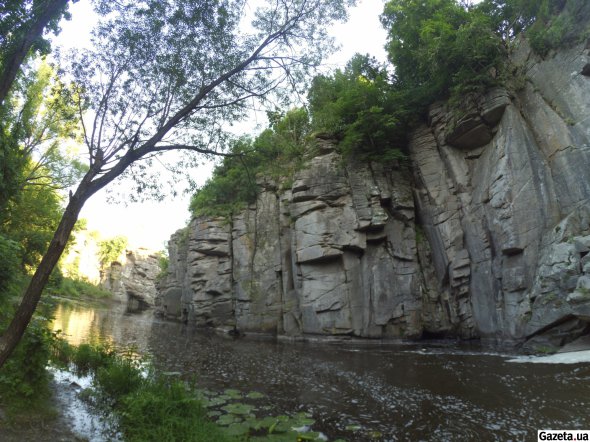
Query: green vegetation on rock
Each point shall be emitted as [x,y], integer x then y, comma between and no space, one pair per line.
[276,153]
[110,249]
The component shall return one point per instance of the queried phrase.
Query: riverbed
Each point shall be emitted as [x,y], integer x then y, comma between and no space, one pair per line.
[427,391]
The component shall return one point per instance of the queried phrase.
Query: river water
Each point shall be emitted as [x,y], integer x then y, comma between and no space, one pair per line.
[441,391]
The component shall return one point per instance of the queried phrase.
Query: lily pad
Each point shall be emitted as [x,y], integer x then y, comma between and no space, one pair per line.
[309,436]
[233,394]
[238,429]
[303,421]
[213,402]
[204,392]
[255,395]
[283,437]
[352,427]
[228,419]
[239,408]
[265,422]
[282,427]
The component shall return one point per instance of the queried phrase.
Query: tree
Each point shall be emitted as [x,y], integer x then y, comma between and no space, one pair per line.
[362,107]
[162,76]
[37,117]
[275,153]
[22,24]
[439,47]
[109,250]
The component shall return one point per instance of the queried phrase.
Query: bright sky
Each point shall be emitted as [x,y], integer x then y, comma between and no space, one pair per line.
[150,224]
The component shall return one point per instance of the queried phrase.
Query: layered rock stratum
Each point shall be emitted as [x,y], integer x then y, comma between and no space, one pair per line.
[483,233]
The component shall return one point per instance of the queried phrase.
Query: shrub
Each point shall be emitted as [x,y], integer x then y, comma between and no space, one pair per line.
[77,288]
[148,407]
[110,249]
[277,152]
[88,358]
[119,377]
[362,108]
[24,375]
[165,410]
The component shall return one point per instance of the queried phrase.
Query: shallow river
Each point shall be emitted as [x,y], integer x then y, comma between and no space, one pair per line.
[434,391]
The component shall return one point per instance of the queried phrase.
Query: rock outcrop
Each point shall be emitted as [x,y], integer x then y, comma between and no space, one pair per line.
[485,234]
[132,278]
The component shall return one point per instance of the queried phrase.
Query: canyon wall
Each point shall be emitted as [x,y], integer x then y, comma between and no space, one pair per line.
[131,278]
[483,232]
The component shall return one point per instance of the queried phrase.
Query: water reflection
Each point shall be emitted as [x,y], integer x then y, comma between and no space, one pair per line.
[114,323]
[439,392]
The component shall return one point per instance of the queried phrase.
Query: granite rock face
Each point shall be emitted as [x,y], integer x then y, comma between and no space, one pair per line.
[506,215]
[334,254]
[485,234]
[132,278]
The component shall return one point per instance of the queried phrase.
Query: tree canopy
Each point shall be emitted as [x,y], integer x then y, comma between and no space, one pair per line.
[22,25]
[163,75]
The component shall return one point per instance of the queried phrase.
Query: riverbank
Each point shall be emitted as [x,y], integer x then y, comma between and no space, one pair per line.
[444,390]
[44,422]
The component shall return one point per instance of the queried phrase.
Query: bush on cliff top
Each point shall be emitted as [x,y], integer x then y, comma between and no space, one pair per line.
[275,153]
[439,49]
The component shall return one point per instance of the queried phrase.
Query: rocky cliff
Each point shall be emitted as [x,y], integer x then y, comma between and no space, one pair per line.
[132,278]
[484,233]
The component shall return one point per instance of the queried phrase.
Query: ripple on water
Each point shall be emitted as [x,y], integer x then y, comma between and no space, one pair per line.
[444,392]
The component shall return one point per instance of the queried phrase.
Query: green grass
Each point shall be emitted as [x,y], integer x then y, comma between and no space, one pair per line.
[165,410]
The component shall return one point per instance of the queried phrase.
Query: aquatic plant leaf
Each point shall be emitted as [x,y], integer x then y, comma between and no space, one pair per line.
[309,436]
[303,414]
[228,419]
[213,402]
[265,422]
[283,437]
[204,393]
[239,408]
[238,429]
[283,427]
[233,394]
[255,395]
[352,427]
[303,421]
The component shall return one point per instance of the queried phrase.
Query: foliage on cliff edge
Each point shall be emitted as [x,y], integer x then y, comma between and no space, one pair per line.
[438,49]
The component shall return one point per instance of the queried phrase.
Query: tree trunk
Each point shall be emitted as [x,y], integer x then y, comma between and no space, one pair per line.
[24,313]
[51,10]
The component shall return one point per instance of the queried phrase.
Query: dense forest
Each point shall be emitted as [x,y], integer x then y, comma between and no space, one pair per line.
[132,97]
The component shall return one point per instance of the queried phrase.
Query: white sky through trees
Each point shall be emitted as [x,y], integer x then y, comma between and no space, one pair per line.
[150,224]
